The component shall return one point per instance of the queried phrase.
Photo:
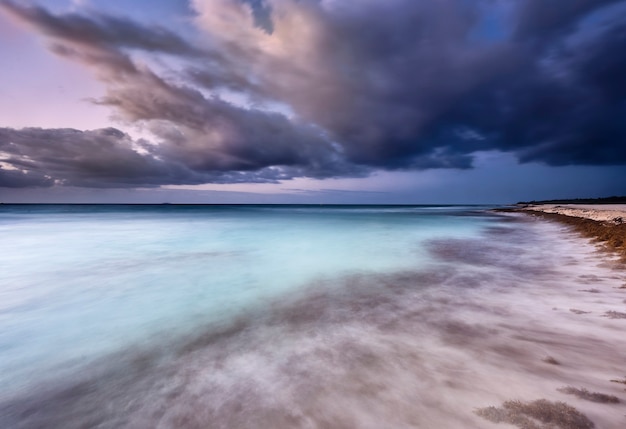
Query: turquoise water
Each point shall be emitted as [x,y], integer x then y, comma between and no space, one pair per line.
[81,281]
[296,316]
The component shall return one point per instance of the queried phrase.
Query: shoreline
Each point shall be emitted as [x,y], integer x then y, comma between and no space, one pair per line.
[604,224]
[612,213]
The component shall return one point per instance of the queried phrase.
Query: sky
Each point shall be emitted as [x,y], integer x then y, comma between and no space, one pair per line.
[312,101]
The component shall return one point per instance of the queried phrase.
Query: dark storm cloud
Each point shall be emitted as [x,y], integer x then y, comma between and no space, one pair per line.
[565,108]
[201,139]
[96,158]
[23,179]
[540,19]
[373,77]
[377,84]
[110,158]
[407,84]
[102,30]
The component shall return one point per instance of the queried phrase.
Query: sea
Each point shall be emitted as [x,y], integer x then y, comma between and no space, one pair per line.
[304,316]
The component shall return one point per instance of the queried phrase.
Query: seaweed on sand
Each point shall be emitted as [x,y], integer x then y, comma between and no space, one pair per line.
[551,360]
[619,381]
[589,396]
[615,315]
[539,414]
[613,236]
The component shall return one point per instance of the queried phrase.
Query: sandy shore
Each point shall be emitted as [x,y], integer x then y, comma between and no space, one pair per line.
[605,223]
[613,213]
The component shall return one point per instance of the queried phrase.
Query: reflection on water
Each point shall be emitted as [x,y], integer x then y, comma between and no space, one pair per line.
[480,316]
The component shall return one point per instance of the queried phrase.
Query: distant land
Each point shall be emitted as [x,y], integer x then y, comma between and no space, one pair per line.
[606,200]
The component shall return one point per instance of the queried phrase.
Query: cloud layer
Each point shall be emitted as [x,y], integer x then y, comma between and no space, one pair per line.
[274,89]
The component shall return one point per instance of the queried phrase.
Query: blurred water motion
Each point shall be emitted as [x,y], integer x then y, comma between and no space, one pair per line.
[257,316]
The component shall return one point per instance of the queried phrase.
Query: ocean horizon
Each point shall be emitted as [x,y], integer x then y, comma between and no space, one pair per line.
[270,315]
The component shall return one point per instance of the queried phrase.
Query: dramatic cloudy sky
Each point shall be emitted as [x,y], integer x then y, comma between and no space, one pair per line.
[318,101]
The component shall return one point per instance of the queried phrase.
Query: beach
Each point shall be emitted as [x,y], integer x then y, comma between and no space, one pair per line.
[308,317]
[605,223]
[611,213]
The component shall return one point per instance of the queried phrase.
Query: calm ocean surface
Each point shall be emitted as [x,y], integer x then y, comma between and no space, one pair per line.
[276,316]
